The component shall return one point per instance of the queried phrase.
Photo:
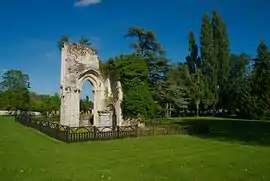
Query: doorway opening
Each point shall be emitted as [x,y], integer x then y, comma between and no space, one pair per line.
[86,104]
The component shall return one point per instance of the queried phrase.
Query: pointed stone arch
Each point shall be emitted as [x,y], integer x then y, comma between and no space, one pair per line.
[80,64]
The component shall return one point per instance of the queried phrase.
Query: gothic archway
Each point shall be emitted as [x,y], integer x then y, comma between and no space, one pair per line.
[95,79]
[80,64]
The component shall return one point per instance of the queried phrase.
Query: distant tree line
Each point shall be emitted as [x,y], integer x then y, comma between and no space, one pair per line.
[15,95]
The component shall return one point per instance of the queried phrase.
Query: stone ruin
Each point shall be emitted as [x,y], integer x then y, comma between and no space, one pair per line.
[78,64]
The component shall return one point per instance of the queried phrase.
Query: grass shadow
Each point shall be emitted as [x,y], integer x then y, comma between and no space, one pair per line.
[234,130]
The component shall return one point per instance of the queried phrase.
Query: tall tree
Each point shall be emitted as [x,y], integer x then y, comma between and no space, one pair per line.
[195,83]
[14,80]
[261,79]
[194,78]
[132,71]
[237,79]
[15,85]
[172,92]
[209,61]
[221,52]
[206,40]
[150,50]
[147,47]
[193,60]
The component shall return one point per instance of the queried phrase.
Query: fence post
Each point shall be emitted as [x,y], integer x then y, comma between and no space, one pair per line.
[95,132]
[136,129]
[57,131]
[68,134]
[118,131]
[29,121]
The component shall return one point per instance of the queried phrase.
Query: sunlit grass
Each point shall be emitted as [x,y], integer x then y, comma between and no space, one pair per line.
[28,155]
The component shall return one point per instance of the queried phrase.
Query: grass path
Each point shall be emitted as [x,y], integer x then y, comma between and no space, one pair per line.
[31,156]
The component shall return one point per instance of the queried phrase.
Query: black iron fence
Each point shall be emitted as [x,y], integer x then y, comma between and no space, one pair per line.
[91,133]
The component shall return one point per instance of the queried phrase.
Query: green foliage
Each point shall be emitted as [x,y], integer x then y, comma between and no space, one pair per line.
[237,82]
[14,80]
[150,50]
[45,104]
[193,60]
[85,104]
[63,39]
[15,90]
[255,95]
[3,100]
[82,41]
[86,42]
[194,80]
[260,79]
[221,51]
[208,57]
[132,72]
[173,92]
[147,47]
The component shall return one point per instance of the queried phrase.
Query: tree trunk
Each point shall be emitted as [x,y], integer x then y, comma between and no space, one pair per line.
[170,110]
[167,110]
[197,108]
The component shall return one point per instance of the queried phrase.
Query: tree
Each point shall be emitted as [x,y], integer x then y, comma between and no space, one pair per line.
[3,100]
[193,60]
[14,80]
[193,75]
[196,88]
[55,102]
[132,72]
[237,81]
[261,80]
[209,62]
[85,104]
[221,51]
[15,85]
[150,50]
[64,39]
[174,93]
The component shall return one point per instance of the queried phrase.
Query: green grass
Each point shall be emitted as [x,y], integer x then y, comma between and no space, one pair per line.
[31,156]
[234,130]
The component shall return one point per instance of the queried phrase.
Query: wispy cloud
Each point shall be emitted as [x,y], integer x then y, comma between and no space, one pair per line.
[84,3]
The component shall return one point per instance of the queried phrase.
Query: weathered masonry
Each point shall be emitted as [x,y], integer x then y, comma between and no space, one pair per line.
[78,64]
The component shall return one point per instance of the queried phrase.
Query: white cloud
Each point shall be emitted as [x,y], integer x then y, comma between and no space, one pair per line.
[84,3]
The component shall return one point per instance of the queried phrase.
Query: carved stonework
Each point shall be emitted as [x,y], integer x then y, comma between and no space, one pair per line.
[80,63]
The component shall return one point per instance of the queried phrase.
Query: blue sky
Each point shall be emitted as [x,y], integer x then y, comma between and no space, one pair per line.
[30,29]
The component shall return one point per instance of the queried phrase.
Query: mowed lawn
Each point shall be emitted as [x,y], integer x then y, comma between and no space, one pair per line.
[28,155]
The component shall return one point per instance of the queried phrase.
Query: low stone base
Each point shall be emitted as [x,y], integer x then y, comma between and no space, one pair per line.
[105,120]
[84,122]
[132,122]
